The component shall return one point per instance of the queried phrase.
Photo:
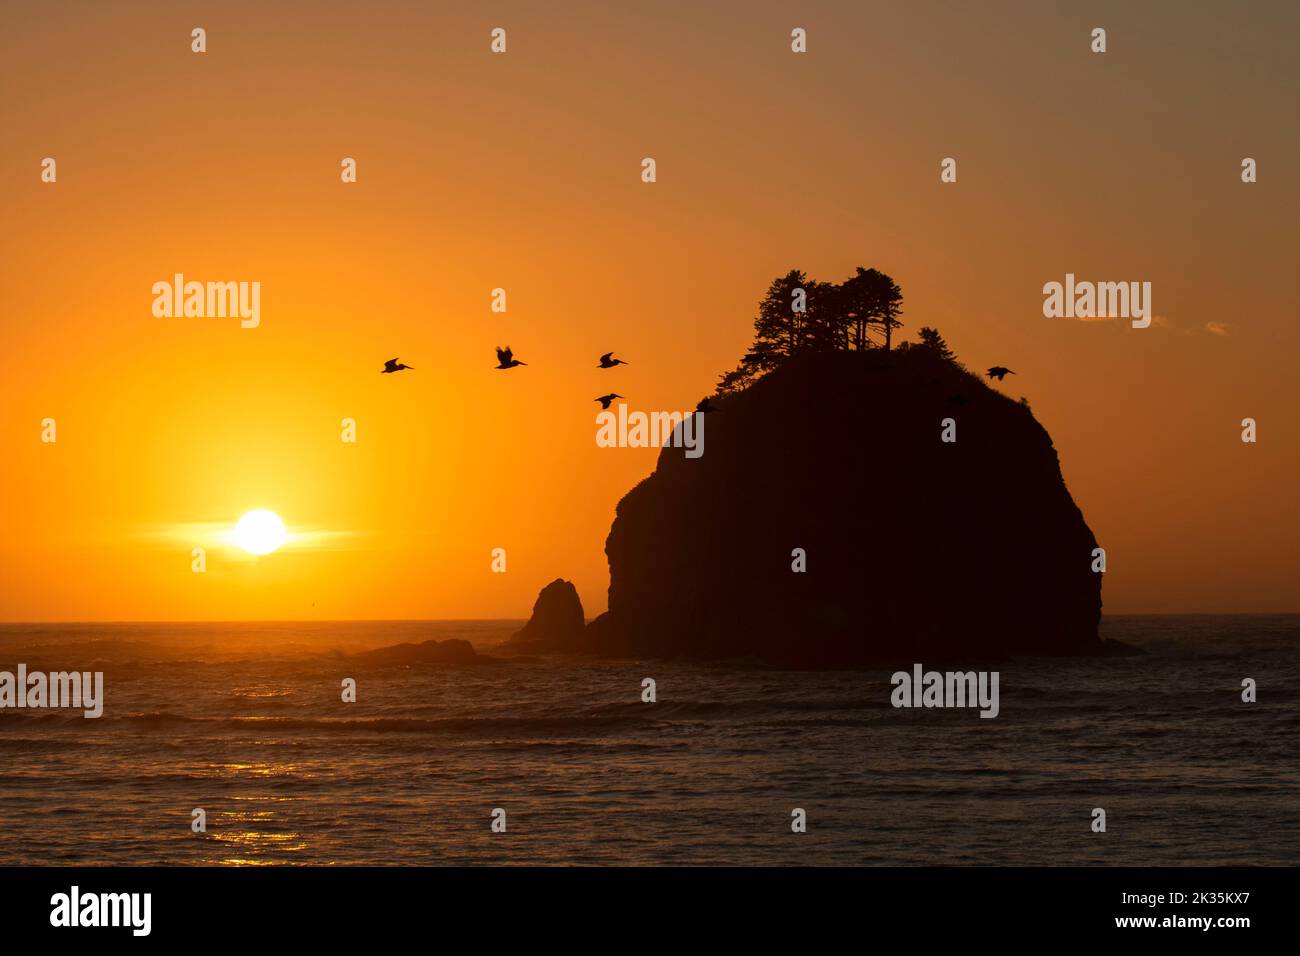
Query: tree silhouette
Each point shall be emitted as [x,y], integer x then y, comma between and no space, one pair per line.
[799,315]
[884,301]
[783,328]
[932,340]
[866,299]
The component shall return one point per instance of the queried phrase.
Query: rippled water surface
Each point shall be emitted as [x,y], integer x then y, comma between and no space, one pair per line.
[246,722]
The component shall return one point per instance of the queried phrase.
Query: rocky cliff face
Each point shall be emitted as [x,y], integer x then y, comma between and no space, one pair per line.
[916,550]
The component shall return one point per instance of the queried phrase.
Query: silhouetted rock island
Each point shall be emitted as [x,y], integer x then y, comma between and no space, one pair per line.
[829,522]
[917,550]
[557,622]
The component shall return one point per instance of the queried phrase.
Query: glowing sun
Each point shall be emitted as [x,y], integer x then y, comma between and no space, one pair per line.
[260,532]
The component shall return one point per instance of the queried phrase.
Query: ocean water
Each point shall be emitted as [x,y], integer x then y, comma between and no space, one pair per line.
[246,722]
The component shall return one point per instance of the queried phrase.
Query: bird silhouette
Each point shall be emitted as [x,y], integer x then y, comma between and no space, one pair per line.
[705,406]
[608,361]
[999,372]
[606,399]
[506,358]
[392,365]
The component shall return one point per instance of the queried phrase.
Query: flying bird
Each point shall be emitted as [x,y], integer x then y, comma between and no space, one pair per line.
[392,365]
[999,372]
[506,358]
[705,406]
[608,361]
[606,399]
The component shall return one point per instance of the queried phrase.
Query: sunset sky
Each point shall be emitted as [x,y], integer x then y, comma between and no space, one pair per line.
[522,171]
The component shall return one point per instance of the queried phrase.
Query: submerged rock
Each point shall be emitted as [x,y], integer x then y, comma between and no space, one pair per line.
[557,622]
[916,549]
[451,651]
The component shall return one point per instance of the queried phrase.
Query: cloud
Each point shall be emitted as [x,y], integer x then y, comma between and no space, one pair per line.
[1217,328]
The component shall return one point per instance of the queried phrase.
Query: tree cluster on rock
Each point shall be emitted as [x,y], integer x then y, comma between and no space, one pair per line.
[799,315]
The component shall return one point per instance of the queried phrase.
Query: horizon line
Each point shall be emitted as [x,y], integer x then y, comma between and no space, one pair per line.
[482,620]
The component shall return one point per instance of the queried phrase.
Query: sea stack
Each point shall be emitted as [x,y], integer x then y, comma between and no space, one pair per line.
[557,622]
[913,548]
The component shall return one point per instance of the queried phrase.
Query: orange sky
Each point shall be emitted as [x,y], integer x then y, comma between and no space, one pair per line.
[522,171]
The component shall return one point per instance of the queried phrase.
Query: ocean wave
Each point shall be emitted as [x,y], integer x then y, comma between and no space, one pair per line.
[415,725]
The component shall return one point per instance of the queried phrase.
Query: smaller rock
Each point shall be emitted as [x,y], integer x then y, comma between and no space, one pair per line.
[557,620]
